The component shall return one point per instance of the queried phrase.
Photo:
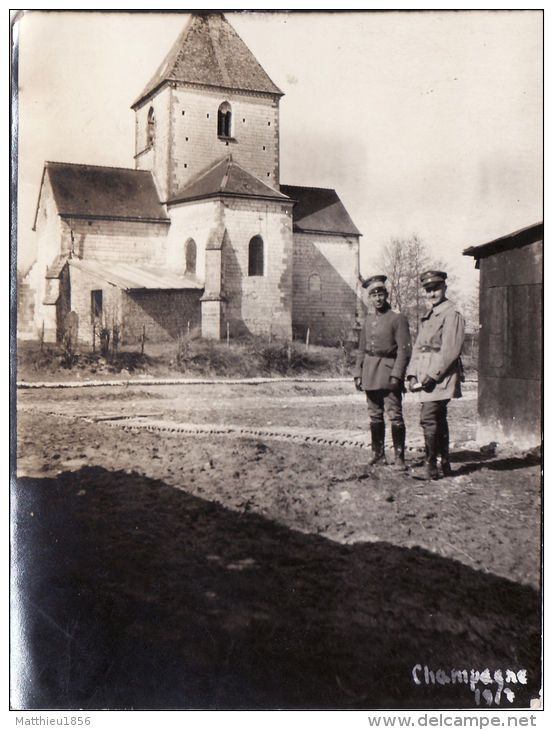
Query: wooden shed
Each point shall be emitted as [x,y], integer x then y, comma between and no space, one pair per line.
[510,361]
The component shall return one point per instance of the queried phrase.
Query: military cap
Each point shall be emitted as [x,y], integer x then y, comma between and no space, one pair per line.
[374,282]
[433,277]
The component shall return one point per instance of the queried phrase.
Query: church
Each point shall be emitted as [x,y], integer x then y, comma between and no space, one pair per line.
[200,234]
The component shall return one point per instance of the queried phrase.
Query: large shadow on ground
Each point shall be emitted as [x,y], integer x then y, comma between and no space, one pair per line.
[471,461]
[137,595]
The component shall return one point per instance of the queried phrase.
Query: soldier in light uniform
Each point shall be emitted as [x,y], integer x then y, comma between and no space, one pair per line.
[435,369]
[384,350]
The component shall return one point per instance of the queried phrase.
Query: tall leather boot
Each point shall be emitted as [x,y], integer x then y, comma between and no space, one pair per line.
[444,451]
[398,438]
[431,448]
[377,444]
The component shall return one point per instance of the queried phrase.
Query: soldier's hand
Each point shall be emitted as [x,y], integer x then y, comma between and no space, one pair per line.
[357,382]
[411,380]
[428,384]
[395,384]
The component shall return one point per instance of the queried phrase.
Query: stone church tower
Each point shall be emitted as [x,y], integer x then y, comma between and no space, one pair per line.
[207,127]
[200,234]
[209,98]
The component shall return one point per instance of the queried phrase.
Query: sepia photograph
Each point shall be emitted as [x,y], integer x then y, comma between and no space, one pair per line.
[276,360]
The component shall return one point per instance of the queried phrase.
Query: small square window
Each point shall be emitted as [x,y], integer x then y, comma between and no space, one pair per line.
[264,147]
[268,174]
[243,120]
[268,124]
[186,164]
[187,139]
[183,112]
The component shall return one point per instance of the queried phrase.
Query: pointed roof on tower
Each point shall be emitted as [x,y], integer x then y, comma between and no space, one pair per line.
[210,52]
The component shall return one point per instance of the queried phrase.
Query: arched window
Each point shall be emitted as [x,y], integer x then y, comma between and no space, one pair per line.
[151,131]
[224,118]
[255,257]
[190,257]
[314,287]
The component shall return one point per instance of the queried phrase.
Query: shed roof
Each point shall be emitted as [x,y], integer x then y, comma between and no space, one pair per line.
[210,52]
[319,210]
[519,238]
[131,277]
[226,177]
[92,191]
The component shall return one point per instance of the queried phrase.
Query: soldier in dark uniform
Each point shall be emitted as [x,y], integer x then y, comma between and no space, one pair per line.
[384,350]
[435,369]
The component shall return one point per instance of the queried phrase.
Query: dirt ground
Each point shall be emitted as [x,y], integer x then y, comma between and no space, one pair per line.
[225,547]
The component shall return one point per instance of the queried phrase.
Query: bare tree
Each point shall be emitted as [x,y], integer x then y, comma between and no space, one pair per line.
[403,261]
[470,306]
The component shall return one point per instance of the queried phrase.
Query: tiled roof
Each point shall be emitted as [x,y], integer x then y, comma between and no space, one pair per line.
[209,51]
[131,277]
[319,210]
[104,192]
[226,177]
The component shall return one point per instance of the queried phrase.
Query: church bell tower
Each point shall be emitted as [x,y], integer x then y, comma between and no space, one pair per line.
[210,98]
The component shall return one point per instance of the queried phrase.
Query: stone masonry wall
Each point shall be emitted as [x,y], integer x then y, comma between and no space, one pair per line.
[163,314]
[325,285]
[156,156]
[121,241]
[195,144]
[191,220]
[53,238]
[211,320]
[258,304]
[81,284]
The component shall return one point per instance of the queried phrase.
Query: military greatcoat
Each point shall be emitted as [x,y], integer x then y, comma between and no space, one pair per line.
[437,351]
[384,349]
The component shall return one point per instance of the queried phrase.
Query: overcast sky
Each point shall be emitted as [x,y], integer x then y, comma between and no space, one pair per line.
[424,122]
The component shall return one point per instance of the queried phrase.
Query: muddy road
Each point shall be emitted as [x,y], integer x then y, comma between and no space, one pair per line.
[225,547]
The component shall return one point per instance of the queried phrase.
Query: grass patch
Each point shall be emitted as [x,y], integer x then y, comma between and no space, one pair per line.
[257,356]
[35,361]
[190,356]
